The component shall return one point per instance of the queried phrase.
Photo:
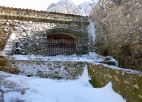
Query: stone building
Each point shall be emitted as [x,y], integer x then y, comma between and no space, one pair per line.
[43,33]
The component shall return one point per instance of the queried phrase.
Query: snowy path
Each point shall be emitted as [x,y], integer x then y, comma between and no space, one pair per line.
[47,90]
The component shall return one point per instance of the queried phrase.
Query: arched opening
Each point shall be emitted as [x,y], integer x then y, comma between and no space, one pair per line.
[60,44]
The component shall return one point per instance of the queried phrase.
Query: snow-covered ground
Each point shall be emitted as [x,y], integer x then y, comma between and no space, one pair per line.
[47,90]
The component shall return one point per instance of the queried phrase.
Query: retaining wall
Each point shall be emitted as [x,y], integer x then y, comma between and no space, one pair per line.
[127,83]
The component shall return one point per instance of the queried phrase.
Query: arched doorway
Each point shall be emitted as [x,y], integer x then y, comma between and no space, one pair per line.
[60,44]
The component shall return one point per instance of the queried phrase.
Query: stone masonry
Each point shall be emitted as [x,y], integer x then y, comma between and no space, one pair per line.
[29,30]
[67,70]
[127,83]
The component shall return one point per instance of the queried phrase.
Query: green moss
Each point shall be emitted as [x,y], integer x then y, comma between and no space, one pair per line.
[135,96]
[93,80]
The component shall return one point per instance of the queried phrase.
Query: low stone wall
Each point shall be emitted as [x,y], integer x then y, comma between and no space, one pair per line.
[127,83]
[6,66]
[51,69]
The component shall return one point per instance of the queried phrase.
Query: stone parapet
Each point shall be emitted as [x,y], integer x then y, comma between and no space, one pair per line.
[127,83]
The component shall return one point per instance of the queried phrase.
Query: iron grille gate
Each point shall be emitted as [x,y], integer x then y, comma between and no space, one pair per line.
[60,44]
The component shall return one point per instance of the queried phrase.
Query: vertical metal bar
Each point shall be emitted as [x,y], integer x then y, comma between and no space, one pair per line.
[51,46]
[63,45]
[60,44]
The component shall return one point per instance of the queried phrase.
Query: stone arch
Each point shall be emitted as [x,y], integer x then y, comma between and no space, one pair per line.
[79,39]
[67,31]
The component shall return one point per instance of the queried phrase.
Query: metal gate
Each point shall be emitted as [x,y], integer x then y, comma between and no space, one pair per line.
[60,44]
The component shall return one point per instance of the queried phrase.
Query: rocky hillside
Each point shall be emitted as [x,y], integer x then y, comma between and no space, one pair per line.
[65,6]
[86,7]
[119,31]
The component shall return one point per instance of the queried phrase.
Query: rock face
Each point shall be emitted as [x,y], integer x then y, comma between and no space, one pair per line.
[65,6]
[119,31]
[68,7]
[86,7]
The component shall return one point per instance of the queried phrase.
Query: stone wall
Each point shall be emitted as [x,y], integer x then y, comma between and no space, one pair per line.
[127,83]
[5,32]
[50,69]
[40,16]
[29,30]
[6,66]
[32,36]
[119,31]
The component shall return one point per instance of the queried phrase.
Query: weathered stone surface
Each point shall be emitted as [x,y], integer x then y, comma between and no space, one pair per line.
[31,35]
[40,16]
[6,66]
[31,29]
[5,32]
[51,69]
[127,83]
[119,31]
